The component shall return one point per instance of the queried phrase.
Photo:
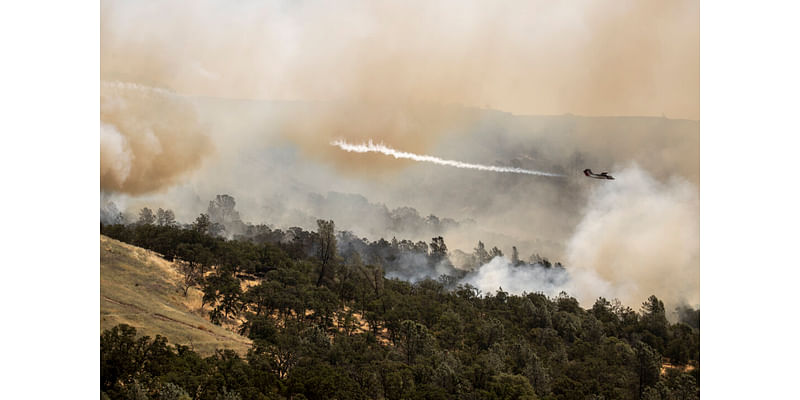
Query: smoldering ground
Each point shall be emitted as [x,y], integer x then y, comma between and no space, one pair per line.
[244,98]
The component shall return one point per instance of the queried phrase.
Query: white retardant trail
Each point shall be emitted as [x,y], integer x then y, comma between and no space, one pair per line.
[370,147]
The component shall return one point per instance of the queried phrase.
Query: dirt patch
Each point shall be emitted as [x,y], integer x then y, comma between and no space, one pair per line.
[110,300]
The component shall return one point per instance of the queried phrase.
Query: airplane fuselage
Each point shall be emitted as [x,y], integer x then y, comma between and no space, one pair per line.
[603,175]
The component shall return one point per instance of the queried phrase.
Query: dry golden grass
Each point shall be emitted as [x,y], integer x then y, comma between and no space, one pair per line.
[666,365]
[139,288]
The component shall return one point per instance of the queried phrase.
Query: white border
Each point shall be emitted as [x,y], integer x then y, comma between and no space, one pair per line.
[749,198]
[49,158]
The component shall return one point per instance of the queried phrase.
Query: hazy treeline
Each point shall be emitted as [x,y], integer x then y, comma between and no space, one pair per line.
[373,219]
[404,259]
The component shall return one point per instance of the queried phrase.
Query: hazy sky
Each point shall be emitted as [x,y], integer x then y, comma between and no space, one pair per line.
[612,57]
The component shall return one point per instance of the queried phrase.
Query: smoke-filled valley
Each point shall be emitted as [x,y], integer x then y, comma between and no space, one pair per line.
[613,238]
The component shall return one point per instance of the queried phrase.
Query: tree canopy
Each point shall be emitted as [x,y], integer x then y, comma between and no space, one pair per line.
[326,322]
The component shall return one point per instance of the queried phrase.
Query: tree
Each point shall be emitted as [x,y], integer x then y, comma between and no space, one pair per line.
[326,252]
[171,391]
[647,366]
[537,259]
[223,216]
[191,276]
[222,289]
[193,257]
[481,255]
[449,330]
[515,256]
[508,386]
[438,249]
[421,247]
[281,349]
[688,316]
[222,209]
[414,340]
[202,223]
[654,319]
[165,217]
[119,355]
[396,379]
[495,252]
[146,217]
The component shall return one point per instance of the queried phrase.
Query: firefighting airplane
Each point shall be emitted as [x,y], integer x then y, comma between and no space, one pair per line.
[603,175]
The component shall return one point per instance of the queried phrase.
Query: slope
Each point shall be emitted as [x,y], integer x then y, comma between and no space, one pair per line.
[139,288]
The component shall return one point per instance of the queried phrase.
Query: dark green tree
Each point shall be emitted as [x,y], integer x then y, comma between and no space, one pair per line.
[223,292]
[438,250]
[202,223]
[647,367]
[414,340]
[326,252]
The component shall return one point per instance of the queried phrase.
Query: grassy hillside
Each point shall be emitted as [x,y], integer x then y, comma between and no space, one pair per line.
[139,288]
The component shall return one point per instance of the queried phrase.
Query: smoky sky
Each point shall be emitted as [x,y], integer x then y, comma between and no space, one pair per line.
[244,98]
[526,57]
[398,72]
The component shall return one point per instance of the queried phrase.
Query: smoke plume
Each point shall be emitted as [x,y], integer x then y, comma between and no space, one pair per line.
[643,237]
[149,138]
[245,98]
[637,237]
[383,149]
[500,273]
[375,69]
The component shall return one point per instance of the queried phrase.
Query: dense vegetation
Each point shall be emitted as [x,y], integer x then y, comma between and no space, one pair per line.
[326,323]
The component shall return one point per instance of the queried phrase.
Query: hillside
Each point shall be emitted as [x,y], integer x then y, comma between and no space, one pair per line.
[344,330]
[139,288]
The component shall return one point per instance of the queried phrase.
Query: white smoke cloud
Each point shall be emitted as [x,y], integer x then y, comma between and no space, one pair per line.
[370,147]
[116,153]
[641,236]
[638,237]
[531,278]
[414,267]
